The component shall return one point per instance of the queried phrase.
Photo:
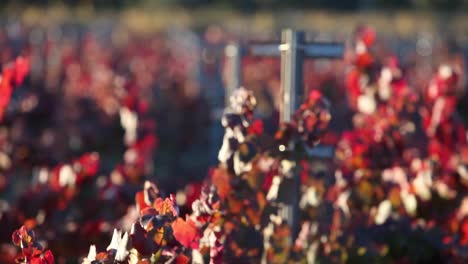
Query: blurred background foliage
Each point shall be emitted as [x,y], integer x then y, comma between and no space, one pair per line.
[404,25]
[258,18]
[256,5]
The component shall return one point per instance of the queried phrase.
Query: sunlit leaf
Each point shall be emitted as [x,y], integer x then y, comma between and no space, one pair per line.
[184,232]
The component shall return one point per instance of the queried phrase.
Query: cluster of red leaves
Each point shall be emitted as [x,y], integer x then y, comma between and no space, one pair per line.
[375,141]
[57,188]
[151,236]
[12,75]
[208,217]
[389,172]
[243,204]
[32,252]
[243,192]
[234,216]
[75,172]
[365,39]
[139,152]
[438,114]
[238,184]
[63,182]
[161,235]
[309,122]
[80,205]
[61,188]
[161,230]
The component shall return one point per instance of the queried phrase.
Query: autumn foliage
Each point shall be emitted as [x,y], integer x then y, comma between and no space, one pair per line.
[380,177]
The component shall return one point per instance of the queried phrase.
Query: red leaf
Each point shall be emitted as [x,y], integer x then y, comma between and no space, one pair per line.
[36,261]
[21,69]
[148,196]
[16,238]
[364,60]
[315,95]
[367,35]
[182,259]
[140,201]
[102,256]
[89,164]
[256,128]
[183,232]
[49,257]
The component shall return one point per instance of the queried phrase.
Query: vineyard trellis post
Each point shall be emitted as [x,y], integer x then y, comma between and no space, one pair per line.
[293,50]
[233,54]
